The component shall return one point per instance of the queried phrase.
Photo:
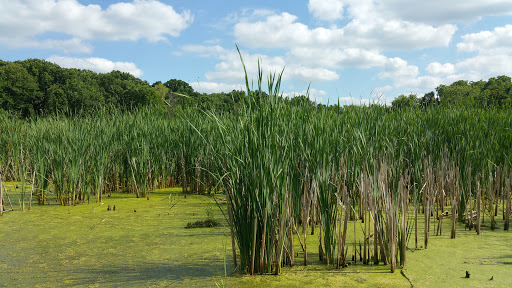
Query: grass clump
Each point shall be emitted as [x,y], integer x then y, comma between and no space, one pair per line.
[202,224]
[209,222]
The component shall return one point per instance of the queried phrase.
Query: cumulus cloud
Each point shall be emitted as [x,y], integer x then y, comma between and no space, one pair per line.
[99,65]
[356,101]
[204,50]
[367,29]
[68,46]
[230,69]
[319,52]
[496,41]
[311,91]
[494,54]
[337,58]
[398,68]
[280,31]
[441,11]
[408,77]
[371,28]
[215,87]
[382,89]
[493,57]
[306,74]
[436,68]
[23,21]
[485,66]
[326,9]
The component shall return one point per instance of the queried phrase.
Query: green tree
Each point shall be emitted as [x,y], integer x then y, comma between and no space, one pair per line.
[82,92]
[125,91]
[301,100]
[459,93]
[19,91]
[405,102]
[498,91]
[181,94]
[161,90]
[429,99]
[51,78]
[179,86]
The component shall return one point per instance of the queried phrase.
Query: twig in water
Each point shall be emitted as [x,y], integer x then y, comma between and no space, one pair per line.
[100,222]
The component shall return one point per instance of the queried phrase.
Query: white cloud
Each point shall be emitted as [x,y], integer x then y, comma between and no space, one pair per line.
[436,68]
[204,50]
[494,54]
[366,30]
[230,69]
[369,29]
[494,58]
[69,45]
[407,77]
[488,42]
[23,21]
[326,9]
[215,87]
[278,31]
[355,101]
[397,68]
[337,58]
[306,74]
[485,66]
[380,90]
[442,11]
[99,65]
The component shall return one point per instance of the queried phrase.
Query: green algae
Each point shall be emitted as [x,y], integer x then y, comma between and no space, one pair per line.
[143,243]
[446,260]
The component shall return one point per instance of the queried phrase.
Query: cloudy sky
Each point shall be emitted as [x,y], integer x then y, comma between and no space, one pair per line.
[347,50]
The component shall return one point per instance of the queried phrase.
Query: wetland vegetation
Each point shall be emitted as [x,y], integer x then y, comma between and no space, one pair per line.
[320,196]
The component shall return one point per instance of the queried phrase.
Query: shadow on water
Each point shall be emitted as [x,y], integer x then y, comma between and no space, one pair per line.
[138,275]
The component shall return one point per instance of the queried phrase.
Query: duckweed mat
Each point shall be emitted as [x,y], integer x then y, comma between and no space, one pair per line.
[144,243]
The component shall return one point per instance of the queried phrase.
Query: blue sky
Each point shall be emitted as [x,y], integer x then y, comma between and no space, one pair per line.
[348,50]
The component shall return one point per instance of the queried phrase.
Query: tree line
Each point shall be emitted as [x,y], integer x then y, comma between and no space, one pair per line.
[496,92]
[37,87]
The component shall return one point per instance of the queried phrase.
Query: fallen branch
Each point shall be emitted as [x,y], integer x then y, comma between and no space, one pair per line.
[97,206]
[100,222]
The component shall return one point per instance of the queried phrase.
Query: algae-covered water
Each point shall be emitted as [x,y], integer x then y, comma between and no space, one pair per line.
[143,243]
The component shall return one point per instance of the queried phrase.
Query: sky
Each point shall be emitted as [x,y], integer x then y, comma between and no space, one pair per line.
[346,51]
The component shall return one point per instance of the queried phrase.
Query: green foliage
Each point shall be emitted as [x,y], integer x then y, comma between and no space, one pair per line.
[405,102]
[19,91]
[428,100]
[496,92]
[460,93]
[37,87]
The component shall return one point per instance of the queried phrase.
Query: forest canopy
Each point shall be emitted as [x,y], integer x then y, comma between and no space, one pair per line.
[37,87]
[496,92]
